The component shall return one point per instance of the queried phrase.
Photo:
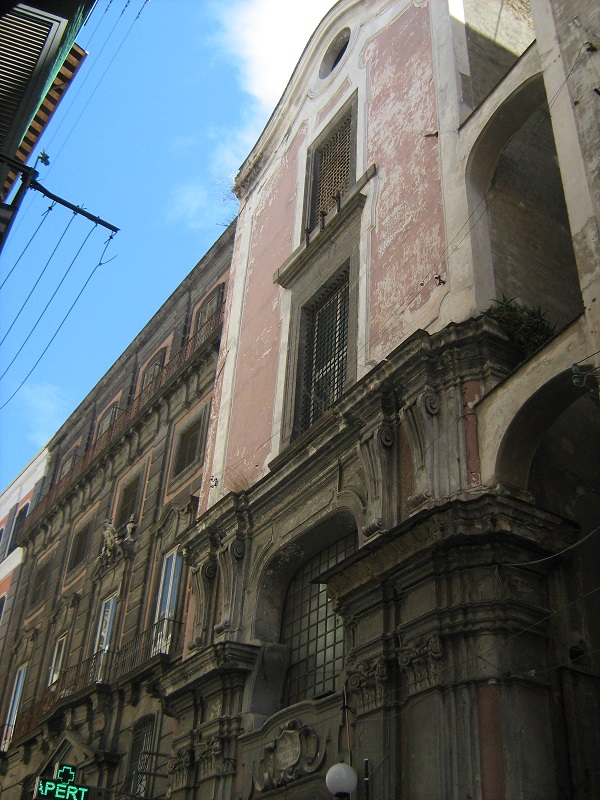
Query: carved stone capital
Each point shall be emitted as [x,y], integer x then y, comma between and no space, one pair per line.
[366,681]
[419,662]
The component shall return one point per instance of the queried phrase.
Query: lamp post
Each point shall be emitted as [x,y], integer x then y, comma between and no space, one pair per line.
[341,780]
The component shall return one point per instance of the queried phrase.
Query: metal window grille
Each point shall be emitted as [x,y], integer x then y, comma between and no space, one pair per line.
[326,350]
[139,769]
[312,629]
[333,167]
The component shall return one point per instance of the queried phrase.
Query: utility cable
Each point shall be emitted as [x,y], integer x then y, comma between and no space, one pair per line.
[48,303]
[44,217]
[100,79]
[45,267]
[99,264]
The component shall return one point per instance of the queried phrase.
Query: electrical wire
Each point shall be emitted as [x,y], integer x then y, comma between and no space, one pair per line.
[44,217]
[45,267]
[99,264]
[94,90]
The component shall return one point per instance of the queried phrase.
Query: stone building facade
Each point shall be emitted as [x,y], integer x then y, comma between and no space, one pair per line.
[386,534]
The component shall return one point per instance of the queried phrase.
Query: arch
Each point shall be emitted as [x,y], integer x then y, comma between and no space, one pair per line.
[520,235]
[529,426]
[278,571]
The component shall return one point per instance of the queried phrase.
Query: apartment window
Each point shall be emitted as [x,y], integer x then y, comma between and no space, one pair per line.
[311,628]
[105,624]
[190,443]
[16,528]
[79,546]
[13,706]
[154,368]
[323,353]
[57,660]
[139,768]
[331,166]
[206,320]
[39,584]
[106,420]
[2,604]
[67,464]
[128,501]
[166,606]
[1,534]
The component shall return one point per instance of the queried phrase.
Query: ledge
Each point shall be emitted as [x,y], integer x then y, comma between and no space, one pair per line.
[319,237]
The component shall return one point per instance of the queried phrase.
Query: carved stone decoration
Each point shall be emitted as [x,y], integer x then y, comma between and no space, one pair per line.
[291,755]
[419,662]
[367,683]
[180,766]
[431,403]
[386,436]
[373,527]
[210,759]
[115,544]
[238,548]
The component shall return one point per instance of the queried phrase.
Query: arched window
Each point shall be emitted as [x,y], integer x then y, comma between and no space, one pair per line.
[312,629]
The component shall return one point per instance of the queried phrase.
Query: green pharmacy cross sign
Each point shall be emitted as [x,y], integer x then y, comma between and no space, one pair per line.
[62,787]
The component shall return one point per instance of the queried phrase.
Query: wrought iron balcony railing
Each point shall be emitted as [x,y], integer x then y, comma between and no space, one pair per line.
[125,418]
[104,667]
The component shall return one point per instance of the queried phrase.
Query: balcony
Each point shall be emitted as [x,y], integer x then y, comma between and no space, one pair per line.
[104,667]
[206,334]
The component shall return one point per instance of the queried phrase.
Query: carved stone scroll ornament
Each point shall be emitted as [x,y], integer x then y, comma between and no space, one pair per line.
[366,682]
[293,754]
[180,766]
[420,662]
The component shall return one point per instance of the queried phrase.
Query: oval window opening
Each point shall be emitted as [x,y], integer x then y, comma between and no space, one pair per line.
[334,53]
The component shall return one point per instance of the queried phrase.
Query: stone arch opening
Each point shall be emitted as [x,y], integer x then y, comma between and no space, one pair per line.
[267,683]
[521,236]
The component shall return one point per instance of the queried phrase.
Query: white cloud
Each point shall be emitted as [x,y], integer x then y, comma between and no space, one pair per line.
[47,407]
[265,38]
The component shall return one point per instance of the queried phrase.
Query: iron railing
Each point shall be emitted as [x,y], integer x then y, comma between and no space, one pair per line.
[162,637]
[103,667]
[125,418]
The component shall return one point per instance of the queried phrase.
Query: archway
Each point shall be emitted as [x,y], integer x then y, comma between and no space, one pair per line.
[516,199]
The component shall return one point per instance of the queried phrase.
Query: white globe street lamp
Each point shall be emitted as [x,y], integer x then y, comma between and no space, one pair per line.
[341,780]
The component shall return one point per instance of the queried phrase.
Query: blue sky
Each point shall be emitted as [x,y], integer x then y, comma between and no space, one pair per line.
[168,103]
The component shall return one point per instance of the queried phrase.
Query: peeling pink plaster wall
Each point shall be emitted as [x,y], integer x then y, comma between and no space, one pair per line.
[407,242]
[258,355]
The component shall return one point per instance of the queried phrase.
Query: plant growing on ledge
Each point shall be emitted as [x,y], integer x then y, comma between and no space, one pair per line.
[527,327]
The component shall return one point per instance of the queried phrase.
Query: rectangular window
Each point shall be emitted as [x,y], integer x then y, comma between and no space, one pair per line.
[206,316]
[166,606]
[190,443]
[331,167]
[57,660]
[105,624]
[13,706]
[106,420]
[67,464]
[79,547]
[39,584]
[153,369]
[16,528]
[2,604]
[324,350]
[139,768]
[127,502]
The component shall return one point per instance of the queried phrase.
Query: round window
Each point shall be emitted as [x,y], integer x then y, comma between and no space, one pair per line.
[334,53]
